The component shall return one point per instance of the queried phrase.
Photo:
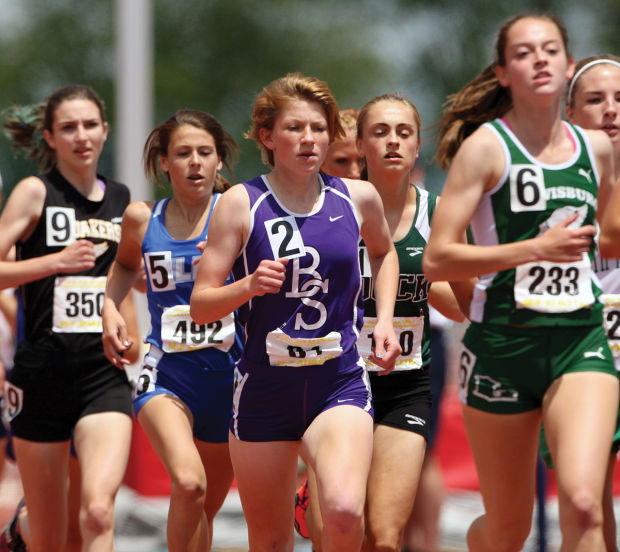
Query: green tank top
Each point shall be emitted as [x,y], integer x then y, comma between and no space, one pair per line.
[529,198]
[411,321]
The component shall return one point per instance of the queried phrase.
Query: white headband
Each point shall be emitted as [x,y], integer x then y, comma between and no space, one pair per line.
[581,71]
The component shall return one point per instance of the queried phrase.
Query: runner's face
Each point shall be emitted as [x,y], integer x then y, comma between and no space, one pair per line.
[344,158]
[191,161]
[390,137]
[299,138]
[536,60]
[596,101]
[78,133]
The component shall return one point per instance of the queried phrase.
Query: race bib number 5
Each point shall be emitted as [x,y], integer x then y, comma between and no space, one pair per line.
[409,330]
[179,333]
[554,287]
[78,301]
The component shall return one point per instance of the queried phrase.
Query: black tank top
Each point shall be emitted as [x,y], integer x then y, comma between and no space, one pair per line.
[69,305]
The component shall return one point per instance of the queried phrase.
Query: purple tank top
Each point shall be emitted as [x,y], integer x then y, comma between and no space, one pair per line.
[316,316]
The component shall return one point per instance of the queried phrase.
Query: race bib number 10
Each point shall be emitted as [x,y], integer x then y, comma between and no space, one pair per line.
[409,330]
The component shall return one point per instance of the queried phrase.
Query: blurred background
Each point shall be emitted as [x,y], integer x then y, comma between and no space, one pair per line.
[216,55]
[148,58]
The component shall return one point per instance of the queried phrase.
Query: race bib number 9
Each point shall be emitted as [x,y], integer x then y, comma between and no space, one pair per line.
[284,350]
[78,301]
[59,226]
[611,321]
[409,330]
[554,287]
[179,333]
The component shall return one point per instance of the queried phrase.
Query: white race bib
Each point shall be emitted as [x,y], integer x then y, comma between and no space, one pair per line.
[179,333]
[554,287]
[611,321]
[78,301]
[409,330]
[284,350]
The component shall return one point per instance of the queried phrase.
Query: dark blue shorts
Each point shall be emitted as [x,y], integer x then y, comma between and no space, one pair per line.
[278,403]
[207,393]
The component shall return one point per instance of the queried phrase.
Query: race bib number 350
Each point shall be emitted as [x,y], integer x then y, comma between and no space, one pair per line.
[78,301]
[554,287]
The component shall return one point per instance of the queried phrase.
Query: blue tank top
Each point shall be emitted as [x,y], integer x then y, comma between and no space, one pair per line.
[171,271]
[316,315]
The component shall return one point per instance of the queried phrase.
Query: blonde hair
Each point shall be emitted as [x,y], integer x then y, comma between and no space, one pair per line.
[348,118]
[294,86]
[483,98]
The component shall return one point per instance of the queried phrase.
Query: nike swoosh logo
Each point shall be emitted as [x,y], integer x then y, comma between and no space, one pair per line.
[332,219]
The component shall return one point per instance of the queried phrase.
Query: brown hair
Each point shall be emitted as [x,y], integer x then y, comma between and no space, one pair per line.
[24,125]
[270,101]
[581,69]
[361,118]
[158,140]
[483,98]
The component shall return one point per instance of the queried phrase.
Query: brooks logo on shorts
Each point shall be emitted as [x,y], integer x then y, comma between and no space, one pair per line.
[414,420]
[598,354]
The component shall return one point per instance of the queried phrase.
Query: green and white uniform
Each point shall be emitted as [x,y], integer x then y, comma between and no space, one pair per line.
[522,316]
[402,399]
[530,198]
[411,309]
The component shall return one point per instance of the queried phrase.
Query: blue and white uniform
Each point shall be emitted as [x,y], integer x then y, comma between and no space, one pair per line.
[194,362]
[300,356]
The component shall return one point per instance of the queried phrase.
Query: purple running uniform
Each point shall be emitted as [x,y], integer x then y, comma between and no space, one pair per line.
[300,357]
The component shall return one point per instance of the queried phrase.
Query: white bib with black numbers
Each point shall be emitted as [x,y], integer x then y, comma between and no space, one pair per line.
[78,301]
[409,330]
[549,287]
[179,333]
[611,321]
[284,350]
